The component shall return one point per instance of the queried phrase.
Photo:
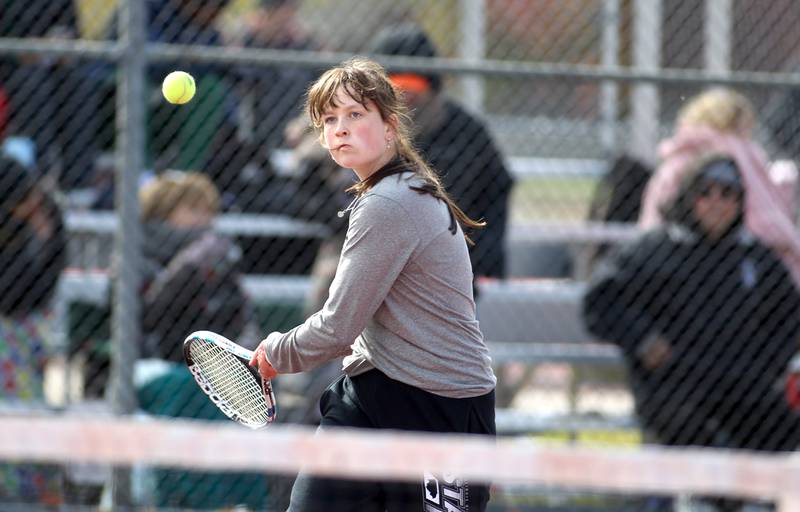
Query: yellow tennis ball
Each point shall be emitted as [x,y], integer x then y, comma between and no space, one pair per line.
[178,87]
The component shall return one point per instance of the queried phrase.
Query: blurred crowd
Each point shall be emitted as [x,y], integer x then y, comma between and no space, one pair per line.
[704,304]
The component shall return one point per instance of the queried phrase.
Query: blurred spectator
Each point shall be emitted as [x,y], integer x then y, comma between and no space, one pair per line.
[617,198]
[32,256]
[706,316]
[55,102]
[273,123]
[457,145]
[195,135]
[200,134]
[272,96]
[276,92]
[191,283]
[722,121]
[191,276]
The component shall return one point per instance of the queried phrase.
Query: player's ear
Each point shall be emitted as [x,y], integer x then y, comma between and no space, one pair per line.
[391,127]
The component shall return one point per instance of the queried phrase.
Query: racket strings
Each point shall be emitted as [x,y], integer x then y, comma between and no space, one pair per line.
[232,382]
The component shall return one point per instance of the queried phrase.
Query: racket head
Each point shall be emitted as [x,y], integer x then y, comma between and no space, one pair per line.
[222,370]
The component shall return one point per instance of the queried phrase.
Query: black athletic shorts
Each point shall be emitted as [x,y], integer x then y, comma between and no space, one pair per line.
[373,400]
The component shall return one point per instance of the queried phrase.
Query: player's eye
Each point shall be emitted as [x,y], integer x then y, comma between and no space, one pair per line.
[329,119]
[356,114]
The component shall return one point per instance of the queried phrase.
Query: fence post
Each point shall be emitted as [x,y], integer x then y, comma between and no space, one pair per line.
[125,327]
[718,32]
[647,29]
[609,90]
[473,49]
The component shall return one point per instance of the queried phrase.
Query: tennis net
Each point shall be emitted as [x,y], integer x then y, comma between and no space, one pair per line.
[526,474]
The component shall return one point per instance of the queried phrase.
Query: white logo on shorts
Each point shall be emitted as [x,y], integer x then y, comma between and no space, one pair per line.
[446,494]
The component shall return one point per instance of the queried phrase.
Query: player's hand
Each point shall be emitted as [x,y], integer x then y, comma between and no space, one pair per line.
[265,369]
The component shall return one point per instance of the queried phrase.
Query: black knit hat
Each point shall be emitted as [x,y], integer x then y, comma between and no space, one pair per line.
[16,182]
[406,40]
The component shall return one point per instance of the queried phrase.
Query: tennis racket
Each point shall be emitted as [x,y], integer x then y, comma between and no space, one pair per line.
[222,370]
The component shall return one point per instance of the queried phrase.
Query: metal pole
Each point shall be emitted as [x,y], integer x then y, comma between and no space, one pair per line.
[473,48]
[130,160]
[609,89]
[646,57]
[718,32]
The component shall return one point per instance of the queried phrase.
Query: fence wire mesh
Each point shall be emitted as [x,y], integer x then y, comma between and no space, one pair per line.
[632,288]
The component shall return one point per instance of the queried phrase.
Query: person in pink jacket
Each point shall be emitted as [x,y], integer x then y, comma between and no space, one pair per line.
[721,121]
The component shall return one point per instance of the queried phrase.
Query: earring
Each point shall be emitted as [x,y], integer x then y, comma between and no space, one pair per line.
[388,144]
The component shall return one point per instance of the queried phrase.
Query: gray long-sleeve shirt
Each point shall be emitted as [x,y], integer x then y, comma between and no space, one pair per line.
[401,300]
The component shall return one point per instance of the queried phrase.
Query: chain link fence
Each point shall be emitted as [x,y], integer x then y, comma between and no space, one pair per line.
[128,222]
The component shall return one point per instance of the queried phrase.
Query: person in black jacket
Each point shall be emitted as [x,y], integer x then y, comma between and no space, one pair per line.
[457,144]
[707,318]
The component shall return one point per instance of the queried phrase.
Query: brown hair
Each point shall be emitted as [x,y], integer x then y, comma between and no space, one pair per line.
[364,80]
[160,197]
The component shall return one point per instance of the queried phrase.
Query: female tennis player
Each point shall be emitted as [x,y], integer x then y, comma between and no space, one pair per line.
[400,309]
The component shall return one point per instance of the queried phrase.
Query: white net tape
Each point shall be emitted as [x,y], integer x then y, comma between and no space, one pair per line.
[395,455]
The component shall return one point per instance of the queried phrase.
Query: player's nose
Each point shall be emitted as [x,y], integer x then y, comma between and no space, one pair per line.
[341,128]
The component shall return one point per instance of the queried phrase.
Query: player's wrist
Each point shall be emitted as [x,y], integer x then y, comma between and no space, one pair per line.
[269,343]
